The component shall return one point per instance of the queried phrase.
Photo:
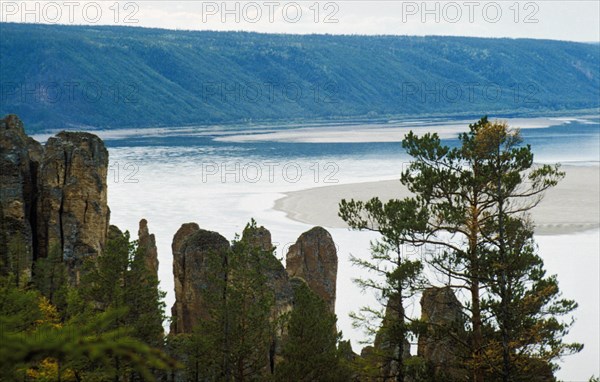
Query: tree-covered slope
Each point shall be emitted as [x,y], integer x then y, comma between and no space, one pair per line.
[60,76]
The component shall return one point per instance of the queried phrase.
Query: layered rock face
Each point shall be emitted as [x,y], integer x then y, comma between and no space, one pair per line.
[19,164]
[384,345]
[73,215]
[441,354]
[147,247]
[259,237]
[277,277]
[53,198]
[313,258]
[192,248]
[443,312]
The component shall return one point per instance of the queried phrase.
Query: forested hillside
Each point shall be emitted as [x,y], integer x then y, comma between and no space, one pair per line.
[72,76]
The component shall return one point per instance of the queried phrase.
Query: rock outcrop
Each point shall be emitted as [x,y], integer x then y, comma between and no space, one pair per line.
[147,248]
[192,248]
[385,349]
[313,258]
[439,355]
[442,311]
[53,198]
[277,280]
[277,277]
[19,163]
[259,237]
[73,215]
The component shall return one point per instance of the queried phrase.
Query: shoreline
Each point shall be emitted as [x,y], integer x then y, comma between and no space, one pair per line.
[108,133]
[572,206]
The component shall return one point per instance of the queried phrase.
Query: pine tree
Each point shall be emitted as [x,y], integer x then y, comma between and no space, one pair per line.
[36,344]
[397,277]
[232,342]
[310,351]
[468,201]
[144,300]
[50,278]
[119,281]
[250,302]
[523,302]
[525,333]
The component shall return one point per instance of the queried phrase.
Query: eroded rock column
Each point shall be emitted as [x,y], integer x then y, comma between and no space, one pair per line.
[192,247]
[313,258]
[73,215]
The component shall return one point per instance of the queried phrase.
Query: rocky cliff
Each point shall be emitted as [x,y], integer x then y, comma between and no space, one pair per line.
[439,346]
[384,348]
[53,198]
[313,258]
[439,354]
[19,165]
[147,247]
[277,277]
[192,248]
[72,211]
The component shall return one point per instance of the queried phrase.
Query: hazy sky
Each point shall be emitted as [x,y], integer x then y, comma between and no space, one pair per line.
[564,20]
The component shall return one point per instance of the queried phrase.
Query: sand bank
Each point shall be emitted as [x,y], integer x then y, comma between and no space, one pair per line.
[572,206]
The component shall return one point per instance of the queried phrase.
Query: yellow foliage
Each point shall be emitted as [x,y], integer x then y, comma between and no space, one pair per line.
[49,312]
[47,370]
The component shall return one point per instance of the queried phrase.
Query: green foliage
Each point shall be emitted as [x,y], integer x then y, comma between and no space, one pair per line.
[103,282]
[310,352]
[32,338]
[109,326]
[526,309]
[145,301]
[480,194]
[16,261]
[396,277]
[152,77]
[470,213]
[50,278]
[233,340]
[119,280]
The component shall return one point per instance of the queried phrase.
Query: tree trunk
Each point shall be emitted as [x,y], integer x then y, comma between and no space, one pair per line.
[477,334]
[477,345]
[226,368]
[400,375]
[505,301]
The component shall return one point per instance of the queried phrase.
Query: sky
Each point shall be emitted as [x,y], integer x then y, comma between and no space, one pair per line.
[547,19]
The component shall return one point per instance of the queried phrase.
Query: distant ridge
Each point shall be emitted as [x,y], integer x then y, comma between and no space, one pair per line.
[112,77]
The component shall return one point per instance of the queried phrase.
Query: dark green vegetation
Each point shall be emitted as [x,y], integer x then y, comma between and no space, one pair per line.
[109,326]
[113,77]
[470,214]
[311,352]
[244,336]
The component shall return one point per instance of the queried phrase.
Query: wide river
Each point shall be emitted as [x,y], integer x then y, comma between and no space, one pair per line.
[220,177]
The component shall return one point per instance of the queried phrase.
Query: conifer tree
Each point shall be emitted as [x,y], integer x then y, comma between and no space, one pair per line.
[469,202]
[232,342]
[310,350]
[396,277]
[50,278]
[119,281]
[37,345]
